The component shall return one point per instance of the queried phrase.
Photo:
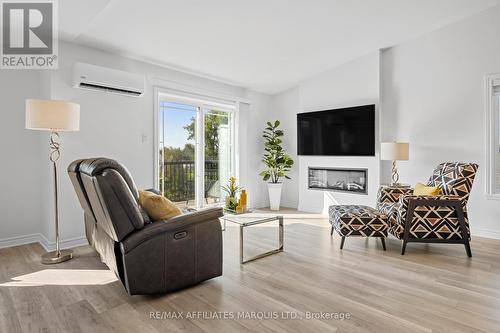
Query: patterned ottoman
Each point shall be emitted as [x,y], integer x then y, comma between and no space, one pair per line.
[351,220]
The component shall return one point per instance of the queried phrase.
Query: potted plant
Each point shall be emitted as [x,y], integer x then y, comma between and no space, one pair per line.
[232,190]
[277,162]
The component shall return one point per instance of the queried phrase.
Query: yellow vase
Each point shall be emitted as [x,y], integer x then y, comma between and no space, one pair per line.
[243,197]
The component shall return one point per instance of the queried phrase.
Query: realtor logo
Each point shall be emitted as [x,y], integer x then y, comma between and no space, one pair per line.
[29,34]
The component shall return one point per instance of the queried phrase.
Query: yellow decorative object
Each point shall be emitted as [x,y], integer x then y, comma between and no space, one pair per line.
[157,206]
[243,198]
[239,208]
[421,189]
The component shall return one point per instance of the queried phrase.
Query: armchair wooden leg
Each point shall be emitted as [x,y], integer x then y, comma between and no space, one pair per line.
[342,242]
[463,228]
[331,231]
[468,250]
[383,243]
[403,248]
[406,233]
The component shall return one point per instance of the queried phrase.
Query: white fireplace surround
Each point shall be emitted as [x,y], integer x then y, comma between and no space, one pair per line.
[318,201]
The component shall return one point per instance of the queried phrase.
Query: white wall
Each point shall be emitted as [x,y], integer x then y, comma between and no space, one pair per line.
[433,96]
[20,179]
[112,125]
[354,83]
[252,147]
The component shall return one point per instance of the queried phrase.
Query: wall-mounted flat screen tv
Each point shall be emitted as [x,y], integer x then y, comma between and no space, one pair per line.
[339,132]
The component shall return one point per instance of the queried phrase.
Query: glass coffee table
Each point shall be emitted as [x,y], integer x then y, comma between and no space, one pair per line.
[249,219]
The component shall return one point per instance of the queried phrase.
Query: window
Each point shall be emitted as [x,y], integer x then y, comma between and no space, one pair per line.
[493,136]
[194,149]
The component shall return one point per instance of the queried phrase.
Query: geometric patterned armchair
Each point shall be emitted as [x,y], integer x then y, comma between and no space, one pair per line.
[432,219]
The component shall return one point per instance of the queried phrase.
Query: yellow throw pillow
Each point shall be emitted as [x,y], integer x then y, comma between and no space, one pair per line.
[421,189]
[157,206]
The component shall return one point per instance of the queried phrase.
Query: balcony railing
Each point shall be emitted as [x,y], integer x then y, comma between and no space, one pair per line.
[177,179]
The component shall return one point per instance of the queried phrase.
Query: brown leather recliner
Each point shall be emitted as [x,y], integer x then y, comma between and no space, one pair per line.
[147,258]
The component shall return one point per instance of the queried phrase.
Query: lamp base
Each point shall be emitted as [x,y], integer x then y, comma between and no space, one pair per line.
[55,258]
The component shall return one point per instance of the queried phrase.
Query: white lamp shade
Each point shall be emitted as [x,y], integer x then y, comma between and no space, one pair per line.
[395,151]
[48,115]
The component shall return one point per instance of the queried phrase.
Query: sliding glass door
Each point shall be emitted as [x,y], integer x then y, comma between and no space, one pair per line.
[219,157]
[177,151]
[196,150]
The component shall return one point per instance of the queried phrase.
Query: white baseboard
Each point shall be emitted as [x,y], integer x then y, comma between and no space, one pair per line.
[44,242]
[63,243]
[486,233]
[311,209]
[19,240]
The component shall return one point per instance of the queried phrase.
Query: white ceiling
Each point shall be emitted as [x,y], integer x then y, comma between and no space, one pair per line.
[264,45]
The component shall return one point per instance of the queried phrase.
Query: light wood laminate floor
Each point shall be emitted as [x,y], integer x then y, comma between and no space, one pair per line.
[433,288]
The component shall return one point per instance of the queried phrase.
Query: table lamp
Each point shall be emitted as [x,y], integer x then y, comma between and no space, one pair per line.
[394,151]
[55,117]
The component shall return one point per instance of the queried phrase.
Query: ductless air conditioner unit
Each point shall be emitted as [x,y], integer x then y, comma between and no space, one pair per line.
[94,77]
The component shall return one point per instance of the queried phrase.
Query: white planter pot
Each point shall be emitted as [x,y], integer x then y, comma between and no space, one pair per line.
[274,195]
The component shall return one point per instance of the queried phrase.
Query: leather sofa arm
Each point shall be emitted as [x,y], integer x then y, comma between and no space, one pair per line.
[172,225]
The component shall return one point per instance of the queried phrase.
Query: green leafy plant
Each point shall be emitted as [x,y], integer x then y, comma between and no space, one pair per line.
[278,163]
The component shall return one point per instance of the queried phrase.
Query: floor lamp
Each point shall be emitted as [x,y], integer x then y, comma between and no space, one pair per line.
[55,117]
